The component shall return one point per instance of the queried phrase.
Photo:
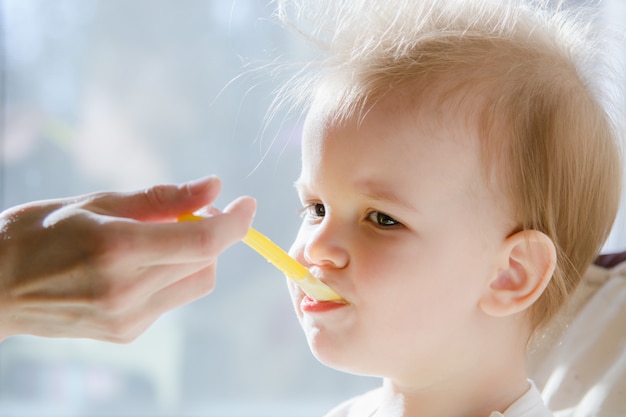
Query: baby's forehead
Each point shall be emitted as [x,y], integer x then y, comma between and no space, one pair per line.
[440,109]
[434,104]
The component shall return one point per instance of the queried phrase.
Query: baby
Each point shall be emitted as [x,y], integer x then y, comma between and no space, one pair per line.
[458,177]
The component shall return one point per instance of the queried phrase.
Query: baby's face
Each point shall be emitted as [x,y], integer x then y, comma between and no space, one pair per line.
[399,221]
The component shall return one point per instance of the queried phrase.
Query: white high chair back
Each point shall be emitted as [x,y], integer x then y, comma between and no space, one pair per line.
[580,363]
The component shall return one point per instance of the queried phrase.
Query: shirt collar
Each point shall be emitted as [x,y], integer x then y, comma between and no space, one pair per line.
[528,405]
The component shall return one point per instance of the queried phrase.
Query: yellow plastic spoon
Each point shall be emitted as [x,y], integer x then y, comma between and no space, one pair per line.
[294,270]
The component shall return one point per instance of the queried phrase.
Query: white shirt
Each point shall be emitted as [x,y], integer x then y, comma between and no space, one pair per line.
[528,405]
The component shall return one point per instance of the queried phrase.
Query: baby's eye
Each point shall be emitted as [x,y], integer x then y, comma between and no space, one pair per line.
[381,219]
[314,210]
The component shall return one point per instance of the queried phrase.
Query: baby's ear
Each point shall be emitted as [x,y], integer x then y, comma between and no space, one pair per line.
[525,265]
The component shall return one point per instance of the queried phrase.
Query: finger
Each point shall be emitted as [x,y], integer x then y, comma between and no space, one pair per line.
[159,202]
[168,243]
[153,279]
[193,287]
[125,327]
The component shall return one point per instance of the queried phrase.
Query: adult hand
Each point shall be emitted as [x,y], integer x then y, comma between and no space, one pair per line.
[107,265]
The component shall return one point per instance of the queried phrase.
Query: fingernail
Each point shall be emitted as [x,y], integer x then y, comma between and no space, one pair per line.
[208,211]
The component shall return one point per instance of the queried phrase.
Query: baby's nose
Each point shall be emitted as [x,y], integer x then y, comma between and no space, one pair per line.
[326,247]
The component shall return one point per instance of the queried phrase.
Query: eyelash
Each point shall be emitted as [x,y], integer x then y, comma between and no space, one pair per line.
[381,219]
[309,211]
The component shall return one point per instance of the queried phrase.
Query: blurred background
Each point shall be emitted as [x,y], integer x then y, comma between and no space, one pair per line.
[112,94]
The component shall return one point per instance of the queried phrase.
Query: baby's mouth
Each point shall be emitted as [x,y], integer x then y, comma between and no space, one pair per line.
[311,305]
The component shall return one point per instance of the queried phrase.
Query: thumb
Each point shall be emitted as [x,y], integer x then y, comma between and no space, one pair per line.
[159,202]
[243,208]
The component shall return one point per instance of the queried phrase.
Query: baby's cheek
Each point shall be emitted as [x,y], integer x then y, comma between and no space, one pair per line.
[296,296]
[296,250]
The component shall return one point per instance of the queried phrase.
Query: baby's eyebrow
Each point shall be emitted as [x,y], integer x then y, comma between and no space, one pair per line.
[371,190]
[379,192]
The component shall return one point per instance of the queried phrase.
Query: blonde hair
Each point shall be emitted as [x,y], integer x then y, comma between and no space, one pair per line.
[548,141]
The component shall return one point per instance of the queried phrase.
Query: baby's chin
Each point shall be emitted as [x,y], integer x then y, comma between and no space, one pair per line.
[345,363]
[335,354]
